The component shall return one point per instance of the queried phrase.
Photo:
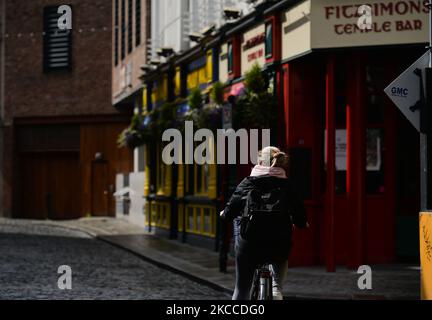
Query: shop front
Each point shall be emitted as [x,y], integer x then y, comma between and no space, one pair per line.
[158,188]
[364,207]
[182,198]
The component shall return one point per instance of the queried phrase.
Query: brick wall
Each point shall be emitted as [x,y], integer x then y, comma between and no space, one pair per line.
[84,90]
[83,93]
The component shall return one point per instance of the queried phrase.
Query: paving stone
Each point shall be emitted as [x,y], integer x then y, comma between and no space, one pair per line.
[29,263]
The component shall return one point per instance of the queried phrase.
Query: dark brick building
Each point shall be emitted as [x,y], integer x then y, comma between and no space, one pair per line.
[58,128]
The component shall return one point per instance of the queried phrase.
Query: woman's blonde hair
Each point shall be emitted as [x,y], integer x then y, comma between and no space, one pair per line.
[273,157]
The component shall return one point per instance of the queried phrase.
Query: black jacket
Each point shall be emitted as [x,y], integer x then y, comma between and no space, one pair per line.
[236,204]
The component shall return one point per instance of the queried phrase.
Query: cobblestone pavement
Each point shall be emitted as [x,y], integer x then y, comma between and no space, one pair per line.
[30,256]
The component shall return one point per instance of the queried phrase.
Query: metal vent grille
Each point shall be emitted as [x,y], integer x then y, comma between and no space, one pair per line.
[57,43]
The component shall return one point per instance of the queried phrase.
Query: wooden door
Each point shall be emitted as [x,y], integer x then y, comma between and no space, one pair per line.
[100,192]
[49,186]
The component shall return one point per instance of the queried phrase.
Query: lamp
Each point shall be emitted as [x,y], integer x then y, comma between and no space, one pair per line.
[195,37]
[165,51]
[232,12]
[207,31]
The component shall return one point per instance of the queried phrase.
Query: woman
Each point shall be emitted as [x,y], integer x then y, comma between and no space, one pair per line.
[269,174]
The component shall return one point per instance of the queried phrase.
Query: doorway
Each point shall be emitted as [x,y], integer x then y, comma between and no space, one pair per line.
[100,192]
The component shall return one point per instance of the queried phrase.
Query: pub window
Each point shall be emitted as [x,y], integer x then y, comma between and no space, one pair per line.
[123,30]
[57,47]
[202,177]
[189,178]
[161,172]
[137,22]
[116,35]
[269,39]
[374,161]
[230,57]
[375,81]
[130,34]
[341,143]
[201,220]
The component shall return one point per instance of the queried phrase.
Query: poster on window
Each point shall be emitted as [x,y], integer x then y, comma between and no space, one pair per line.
[340,149]
[373,149]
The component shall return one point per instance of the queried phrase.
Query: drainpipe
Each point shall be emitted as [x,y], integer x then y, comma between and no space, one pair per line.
[2,94]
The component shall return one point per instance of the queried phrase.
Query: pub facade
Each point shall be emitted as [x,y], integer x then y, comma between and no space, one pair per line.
[328,76]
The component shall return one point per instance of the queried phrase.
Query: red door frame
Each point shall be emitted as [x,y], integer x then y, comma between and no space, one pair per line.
[356,160]
[330,187]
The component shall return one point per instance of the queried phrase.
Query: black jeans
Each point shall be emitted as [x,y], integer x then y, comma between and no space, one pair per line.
[245,270]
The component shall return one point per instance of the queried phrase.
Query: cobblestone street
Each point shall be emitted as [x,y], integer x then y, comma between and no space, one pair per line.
[30,257]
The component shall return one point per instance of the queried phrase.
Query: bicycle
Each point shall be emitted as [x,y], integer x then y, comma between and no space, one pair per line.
[262,288]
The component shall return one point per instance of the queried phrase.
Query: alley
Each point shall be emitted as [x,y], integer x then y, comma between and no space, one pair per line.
[31,254]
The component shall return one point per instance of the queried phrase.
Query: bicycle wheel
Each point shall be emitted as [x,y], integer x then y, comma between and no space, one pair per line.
[265,285]
[255,286]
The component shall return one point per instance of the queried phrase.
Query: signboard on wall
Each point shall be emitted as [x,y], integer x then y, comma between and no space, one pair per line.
[334,23]
[223,63]
[253,48]
[296,31]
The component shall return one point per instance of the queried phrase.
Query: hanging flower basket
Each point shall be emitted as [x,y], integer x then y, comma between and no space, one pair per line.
[257,107]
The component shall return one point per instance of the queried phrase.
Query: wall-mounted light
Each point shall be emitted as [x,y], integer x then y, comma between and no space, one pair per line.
[207,31]
[99,156]
[165,51]
[232,13]
[147,68]
[195,37]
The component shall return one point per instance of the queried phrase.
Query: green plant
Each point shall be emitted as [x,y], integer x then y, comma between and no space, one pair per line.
[195,99]
[130,136]
[254,80]
[164,117]
[209,115]
[257,108]
[217,93]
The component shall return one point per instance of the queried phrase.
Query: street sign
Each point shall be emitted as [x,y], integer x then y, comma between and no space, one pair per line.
[227,116]
[405,91]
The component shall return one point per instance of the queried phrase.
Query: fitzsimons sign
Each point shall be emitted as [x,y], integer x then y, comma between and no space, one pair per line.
[335,23]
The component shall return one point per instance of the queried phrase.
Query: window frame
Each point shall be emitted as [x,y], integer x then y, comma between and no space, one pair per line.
[269,47]
[123,30]
[230,57]
[116,31]
[138,16]
[130,14]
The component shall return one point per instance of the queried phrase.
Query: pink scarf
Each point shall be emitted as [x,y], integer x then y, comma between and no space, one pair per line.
[273,171]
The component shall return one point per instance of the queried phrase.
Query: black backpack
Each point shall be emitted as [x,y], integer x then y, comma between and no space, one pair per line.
[266,218]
